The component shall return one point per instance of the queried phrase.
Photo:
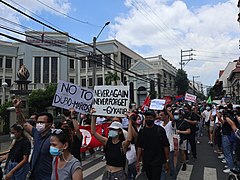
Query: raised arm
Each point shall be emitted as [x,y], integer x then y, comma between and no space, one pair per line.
[20,117]
[127,142]
[98,136]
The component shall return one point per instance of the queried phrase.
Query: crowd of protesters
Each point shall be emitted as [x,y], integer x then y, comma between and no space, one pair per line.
[150,141]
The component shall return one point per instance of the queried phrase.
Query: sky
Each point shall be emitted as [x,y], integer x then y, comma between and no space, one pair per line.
[149,27]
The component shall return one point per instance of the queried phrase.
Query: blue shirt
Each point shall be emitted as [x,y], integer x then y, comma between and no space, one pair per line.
[43,163]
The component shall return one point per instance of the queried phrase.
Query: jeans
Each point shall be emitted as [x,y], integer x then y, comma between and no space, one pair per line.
[200,131]
[19,174]
[228,151]
[171,166]
[132,172]
[192,142]
[120,175]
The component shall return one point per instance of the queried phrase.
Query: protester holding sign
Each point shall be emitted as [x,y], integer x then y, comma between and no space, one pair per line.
[115,149]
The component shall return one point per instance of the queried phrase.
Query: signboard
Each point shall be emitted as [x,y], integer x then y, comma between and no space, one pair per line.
[111,100]
[190,97]
[157,104]
[69,95]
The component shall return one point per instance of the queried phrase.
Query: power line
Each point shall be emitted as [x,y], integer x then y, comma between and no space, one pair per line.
[66,34]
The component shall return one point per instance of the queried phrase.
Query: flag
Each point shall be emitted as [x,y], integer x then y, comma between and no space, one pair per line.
[146,103]
[209,101]
[89,141]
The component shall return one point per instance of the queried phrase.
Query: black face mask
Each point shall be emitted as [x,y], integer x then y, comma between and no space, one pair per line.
[150,122]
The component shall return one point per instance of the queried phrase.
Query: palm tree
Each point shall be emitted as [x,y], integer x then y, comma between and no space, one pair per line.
[111,77]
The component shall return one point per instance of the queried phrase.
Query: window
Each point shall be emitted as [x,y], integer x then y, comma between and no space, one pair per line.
[99,81]
[1,82]
[90,81]
[125,61]
[170,84]
[165,84]
[20,62]
[107,59]
[84,83]
[46,70]
[54,70]
[83,62]
[72,80]
[72,62]
[90,61]
[1,61]
[37,70]
[9,62]
[99,60]
[170,77]
[9,82]
[164,74]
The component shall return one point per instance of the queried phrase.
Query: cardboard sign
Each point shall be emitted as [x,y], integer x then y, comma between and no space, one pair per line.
[69,95]
[157,104]
[190,97]
[111,100]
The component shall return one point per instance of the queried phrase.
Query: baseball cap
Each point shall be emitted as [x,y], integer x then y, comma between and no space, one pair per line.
[115,125]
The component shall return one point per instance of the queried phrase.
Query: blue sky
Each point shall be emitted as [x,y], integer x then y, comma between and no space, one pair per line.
[149,27]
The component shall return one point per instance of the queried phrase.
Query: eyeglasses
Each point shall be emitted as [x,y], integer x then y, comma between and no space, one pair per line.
[56,131]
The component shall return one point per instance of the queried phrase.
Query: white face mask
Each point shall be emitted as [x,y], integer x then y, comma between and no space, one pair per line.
[12,136]
[40,127]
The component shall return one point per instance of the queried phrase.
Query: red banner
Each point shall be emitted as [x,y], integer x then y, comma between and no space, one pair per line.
[168,99]
[90,141]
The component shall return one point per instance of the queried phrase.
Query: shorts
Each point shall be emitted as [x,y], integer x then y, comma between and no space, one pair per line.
[183,145]
[211,129]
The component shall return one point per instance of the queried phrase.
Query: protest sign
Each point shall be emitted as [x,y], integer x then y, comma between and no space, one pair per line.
[69,95]
[190,97]
[111,100]
[157,104]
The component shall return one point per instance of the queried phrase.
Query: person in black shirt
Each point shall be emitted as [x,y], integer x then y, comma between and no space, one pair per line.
[183,129]
[192,118]
[152,147]
[17,166]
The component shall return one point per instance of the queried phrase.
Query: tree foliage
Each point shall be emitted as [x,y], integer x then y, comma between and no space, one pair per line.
[111,77]
[181,82]
[40,99]
[3,109]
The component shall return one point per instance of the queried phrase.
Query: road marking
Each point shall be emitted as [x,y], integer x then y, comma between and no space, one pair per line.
[210,173]
[93,168]
[99,178]
[185,175]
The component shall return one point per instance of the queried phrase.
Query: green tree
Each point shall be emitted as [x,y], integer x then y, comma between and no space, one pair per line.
[41,98]
[111,77]
[181,82]
[4,116]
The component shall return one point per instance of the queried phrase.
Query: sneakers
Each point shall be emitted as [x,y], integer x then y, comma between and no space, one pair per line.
[198,142]
[226,166]
[221,156]
[224,161]
[184,167]
[226,171]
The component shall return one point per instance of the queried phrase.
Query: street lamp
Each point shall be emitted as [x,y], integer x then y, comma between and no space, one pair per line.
[194,82]
[94,54]
[4,85]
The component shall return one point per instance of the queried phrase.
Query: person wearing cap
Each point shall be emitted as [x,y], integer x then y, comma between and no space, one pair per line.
[115,149]
[152,147]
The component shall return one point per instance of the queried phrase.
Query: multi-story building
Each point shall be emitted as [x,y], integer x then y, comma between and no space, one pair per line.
[157,69]
[57,58]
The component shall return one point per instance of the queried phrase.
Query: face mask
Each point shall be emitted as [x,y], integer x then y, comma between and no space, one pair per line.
[208,108]
[112,133]
[176,117]
[55,151]
[139,121]
[40,127]
[12,136]
[149,122]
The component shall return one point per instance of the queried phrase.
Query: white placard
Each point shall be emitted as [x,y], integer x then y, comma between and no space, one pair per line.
[69,95]
[157,104]
[190,97]
[111,100]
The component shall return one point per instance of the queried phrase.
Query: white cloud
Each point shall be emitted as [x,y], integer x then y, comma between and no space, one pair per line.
[34,6]
[166,28]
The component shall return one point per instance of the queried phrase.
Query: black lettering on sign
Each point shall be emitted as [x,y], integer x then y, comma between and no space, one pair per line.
[71,89]
[88,95]
[113,110]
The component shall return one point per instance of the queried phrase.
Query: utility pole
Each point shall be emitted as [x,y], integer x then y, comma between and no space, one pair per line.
[193,84]
[186,56]
[94,58]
